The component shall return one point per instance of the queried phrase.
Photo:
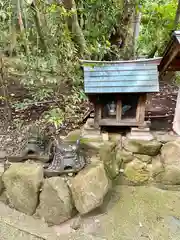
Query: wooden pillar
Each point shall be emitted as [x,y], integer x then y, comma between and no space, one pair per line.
[140,112]
[98,114]
[118,110]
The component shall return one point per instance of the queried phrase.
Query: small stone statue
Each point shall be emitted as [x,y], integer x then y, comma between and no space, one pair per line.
[68,158]
[112,108]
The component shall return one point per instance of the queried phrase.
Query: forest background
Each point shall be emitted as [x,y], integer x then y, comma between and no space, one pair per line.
[42,42]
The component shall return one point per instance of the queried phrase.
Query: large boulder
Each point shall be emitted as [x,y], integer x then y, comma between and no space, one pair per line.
[89,188]
[125,156]
[115,137]
[165,137]
[170,176]
[150,148]
[91,146]
[1,181]
[56,204]
[112,161]
[22,182]
[2,156]
[157,168]
[90,143]
[170,153]
[136,172]
[144,158]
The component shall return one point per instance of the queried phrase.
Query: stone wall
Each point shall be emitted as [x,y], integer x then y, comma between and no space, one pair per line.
[138,162]
[119,161]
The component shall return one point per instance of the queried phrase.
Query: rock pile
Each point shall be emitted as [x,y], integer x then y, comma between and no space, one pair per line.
[56,199]
[139,162]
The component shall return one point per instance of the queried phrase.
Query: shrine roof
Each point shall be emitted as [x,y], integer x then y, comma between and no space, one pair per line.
[171,56]
[137,76]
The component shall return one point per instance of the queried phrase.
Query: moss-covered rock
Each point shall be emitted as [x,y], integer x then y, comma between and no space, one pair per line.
[157,168]
[124,156]
[22,182]
[170,176]
[107,147]
[170,153]
[3,198]
[56,205]
[91,146]
[73,136]
[144,158]
[136,172]
[1,181]
[150,148]
[89,188]
[112,161]
[115,137]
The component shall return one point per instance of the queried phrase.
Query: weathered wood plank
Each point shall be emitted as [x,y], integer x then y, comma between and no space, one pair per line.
[140,112]
[113,122]
[98,114]
[118,110]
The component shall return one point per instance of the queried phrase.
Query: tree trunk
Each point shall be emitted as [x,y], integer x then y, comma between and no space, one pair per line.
[20,6]
[129,10]
[5,96]
[74,27]
[176,21]
[13,30]
[38,26]
[137,21]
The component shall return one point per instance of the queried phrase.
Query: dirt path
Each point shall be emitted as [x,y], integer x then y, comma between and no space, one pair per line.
[141,213]
[133,213]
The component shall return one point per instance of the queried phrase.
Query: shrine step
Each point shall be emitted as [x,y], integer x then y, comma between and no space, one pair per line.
[144,138]
[140,134]
[137,130]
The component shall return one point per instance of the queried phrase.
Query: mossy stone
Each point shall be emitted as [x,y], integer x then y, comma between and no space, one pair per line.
[112,162]
[136,172]
[150,148]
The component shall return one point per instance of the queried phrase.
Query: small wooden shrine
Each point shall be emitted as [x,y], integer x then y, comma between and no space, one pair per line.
[118,90]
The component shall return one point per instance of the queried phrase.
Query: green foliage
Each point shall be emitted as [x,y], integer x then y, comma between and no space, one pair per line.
[98,19]
[50,71]
[157,25]
[55,116]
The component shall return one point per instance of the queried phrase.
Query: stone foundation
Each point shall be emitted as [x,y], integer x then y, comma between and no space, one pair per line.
[55,199]
[111,159]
